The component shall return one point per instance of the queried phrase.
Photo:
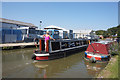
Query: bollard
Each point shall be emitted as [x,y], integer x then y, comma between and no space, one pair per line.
[40,45]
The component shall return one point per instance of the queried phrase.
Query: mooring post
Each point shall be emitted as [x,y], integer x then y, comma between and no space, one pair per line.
[40,45]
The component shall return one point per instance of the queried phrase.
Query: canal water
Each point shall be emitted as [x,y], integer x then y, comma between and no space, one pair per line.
[18,64]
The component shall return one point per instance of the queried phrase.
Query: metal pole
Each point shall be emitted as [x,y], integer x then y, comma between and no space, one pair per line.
[40,24]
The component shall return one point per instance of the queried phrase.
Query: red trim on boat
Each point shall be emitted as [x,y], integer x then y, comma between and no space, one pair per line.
[89,56]
[97,58]
[41,57]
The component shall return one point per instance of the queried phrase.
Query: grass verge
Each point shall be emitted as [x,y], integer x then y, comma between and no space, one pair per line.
[112,69]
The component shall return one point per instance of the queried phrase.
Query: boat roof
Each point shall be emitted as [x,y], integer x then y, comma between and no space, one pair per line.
[50,30]
[54,27]
[104,42]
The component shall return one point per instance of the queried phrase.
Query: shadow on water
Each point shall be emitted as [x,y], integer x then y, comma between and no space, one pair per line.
[18,64]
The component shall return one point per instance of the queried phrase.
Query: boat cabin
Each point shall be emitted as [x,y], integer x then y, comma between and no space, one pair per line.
[102,47]
[53,33]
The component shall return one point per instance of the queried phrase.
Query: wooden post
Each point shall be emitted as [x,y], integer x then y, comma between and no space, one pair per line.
[47,46]
[40,45]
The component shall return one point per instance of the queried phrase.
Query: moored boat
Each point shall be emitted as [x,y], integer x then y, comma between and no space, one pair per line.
[59,48]
[98,51]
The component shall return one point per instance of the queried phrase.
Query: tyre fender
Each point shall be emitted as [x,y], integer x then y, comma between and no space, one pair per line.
[93,60]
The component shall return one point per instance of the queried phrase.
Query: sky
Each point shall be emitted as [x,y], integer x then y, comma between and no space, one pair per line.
[68,15]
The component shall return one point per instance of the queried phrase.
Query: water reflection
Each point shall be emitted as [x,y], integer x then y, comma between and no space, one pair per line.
[18,64]
[94,68]
[13,60]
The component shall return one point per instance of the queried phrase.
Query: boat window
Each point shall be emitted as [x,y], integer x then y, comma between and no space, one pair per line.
[50,32]
[44,32]
[55,46]
[32,31]
[56,32]
[39,32]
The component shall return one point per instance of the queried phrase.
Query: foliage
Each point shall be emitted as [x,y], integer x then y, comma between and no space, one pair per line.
[7,48]
[114,48]
[118,31]
[109,32]
[112,31]
[100,32]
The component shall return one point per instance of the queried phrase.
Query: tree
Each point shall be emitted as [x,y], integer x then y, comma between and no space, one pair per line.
[100,32]
[112,31]
[106,34]
[109,32]
[118,26]
[118,33]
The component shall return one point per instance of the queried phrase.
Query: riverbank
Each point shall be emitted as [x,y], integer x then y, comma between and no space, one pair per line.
[111,70]
[9,46]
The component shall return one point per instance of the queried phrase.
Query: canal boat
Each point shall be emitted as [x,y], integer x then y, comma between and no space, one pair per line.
[59,48]
[98,51]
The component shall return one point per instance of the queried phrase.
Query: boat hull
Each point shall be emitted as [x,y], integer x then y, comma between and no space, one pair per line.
[56,55]
[89,56]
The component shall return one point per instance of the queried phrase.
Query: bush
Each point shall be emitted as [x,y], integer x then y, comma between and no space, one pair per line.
[114,48]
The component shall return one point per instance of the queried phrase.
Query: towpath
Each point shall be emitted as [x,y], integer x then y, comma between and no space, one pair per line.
[17,44]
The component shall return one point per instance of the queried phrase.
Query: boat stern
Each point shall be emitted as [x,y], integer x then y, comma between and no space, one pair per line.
[40,56]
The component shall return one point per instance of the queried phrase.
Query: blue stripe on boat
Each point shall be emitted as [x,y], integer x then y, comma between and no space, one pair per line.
[106,56]
[85,53]
[102,57]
